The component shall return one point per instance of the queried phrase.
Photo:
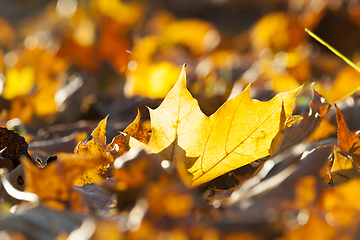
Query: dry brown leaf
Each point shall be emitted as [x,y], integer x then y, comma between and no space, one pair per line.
[138,130]
[301,128]
[348,142]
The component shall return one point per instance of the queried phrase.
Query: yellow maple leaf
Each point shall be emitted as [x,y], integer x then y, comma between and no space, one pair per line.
[239,132]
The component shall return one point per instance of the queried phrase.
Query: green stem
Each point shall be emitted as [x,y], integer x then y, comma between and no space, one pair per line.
[333,50]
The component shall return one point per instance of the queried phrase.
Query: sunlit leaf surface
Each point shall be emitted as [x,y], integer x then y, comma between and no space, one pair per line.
[229,139]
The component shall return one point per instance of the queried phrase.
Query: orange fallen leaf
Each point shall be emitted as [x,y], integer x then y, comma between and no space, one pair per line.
[342,201]
[349,142]
[132,175]
[112,45]
[315,229]
[342,169]
[54,183]
[22,108]
[240,132]
[324,130]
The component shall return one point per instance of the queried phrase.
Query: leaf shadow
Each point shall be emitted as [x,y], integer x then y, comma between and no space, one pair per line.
[177,156]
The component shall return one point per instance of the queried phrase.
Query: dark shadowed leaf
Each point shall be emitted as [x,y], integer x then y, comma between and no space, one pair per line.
[12,147]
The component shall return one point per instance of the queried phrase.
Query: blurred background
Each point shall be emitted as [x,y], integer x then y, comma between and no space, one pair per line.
[65,64]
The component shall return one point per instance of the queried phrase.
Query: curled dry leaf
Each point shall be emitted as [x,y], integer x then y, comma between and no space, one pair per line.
[241,131]
[302,128]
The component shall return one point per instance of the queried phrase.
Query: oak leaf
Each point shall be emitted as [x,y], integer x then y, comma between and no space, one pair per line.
[239,132]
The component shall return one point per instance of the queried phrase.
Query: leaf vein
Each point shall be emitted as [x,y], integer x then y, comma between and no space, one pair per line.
[227,154]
